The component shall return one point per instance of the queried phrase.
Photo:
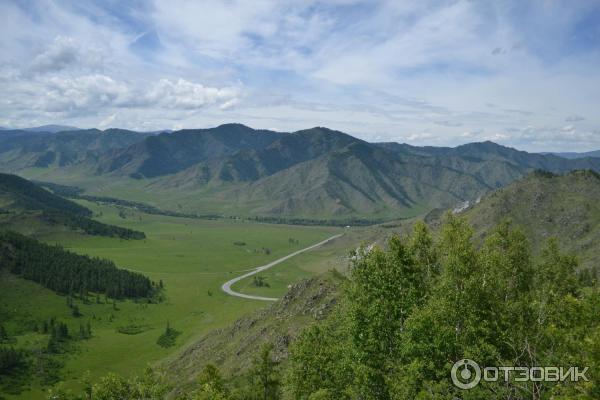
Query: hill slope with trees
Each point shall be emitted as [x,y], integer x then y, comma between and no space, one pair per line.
[22,201]
[548,205]
[69,273]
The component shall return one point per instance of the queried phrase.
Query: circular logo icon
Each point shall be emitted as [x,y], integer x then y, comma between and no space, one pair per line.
[466,374]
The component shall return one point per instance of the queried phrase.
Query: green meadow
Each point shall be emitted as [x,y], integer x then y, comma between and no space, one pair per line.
[331,256]
[192,257]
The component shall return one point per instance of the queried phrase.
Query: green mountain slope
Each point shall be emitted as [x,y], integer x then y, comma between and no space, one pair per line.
[546,205]
[490,151]
[572,155]
[324,173]
[17,192]
[364,179]
[249,165]
[357,179]
[168,153]
[21,149]
[28,208]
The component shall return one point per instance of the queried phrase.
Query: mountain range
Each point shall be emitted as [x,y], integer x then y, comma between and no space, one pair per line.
[572,155]
[45,128]
[312,173]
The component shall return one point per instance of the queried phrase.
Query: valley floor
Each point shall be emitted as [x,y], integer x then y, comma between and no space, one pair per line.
[192,258]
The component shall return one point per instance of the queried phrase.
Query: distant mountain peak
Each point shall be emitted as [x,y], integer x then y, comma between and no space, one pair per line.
[51,128]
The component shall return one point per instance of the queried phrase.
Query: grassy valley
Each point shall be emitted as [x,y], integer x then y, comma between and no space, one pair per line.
[191,257]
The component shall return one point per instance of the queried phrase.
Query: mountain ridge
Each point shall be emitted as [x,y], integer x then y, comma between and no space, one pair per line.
[547,205]
[316,172]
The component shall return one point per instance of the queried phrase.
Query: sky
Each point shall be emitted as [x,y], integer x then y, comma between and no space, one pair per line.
[521,73]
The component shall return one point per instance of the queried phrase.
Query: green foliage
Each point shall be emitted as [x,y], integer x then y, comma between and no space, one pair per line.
[15,368]
[75,311]
[85,330]
[264,376]
[168,338]
[149,386]
[59,335]
[66,272]
[12,361]
[260,281]
[320,362]
[90,226]
[131,329]
[4,338]
[421,305]
[384,289]
[212,385]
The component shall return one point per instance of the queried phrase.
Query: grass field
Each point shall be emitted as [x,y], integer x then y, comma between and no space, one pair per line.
[333,255]
[192,257]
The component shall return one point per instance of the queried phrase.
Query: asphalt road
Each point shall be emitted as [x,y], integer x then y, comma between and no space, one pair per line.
[227,285]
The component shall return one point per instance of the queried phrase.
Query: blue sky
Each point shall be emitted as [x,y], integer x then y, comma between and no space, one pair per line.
[521,73]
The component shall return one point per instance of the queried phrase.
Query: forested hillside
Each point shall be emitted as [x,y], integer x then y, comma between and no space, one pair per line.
[21,200]
[23,149]
[69,273]
[28,195]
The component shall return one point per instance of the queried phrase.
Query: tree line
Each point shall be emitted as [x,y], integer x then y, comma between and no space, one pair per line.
[90,226]
[67,273]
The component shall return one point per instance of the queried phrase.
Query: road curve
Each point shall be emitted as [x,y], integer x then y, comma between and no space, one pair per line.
[227,285]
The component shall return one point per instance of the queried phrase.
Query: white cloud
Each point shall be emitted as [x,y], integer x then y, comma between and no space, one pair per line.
[96,93]
[82,93]
[182,94]
[65,52]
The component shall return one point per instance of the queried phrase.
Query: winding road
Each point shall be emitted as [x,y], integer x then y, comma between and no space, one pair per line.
[227,285]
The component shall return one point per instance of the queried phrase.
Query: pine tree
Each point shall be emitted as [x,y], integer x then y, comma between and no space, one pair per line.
[88,330]
[3,334]
[75,311]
